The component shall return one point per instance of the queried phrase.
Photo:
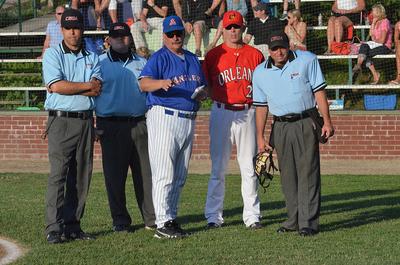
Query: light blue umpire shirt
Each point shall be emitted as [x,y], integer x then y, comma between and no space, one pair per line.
[121,95]
[291,89]
[60,63]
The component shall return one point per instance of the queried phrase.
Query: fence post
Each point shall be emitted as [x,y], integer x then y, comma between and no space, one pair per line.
[27,98]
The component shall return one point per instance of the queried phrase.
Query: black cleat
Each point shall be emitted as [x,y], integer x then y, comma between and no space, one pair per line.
[170,230]
[78,235]
[121,228]
[255,226]
[307,232]
[54,238]
[213,225]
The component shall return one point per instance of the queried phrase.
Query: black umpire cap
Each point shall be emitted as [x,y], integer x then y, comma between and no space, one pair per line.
[119,29]
[278,39]
[72,18]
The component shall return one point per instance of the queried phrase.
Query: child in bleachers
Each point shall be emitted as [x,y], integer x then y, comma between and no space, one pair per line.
[346,13]
[296,30]
[396,81]
[381,42]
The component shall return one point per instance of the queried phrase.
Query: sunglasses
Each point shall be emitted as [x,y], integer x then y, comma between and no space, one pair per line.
[177,33]
[69,28]
[232,26]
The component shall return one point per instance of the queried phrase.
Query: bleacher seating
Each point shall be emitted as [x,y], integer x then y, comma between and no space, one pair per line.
[155,42]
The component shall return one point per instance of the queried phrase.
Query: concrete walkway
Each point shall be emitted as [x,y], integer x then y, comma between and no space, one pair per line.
[354,167]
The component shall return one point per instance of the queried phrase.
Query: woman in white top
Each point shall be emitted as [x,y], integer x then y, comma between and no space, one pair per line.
[296,30]
[345,13]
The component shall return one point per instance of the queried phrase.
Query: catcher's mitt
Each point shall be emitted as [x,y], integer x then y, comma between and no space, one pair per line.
[263,165]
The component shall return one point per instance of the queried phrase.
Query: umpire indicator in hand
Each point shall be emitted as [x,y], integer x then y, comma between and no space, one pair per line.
[72,76]
[170,77]
[289,85]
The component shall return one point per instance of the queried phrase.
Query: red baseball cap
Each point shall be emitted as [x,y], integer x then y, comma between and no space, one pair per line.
[232,18]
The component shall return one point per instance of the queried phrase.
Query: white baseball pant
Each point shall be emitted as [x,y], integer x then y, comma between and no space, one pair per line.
[226,128]
[170,147]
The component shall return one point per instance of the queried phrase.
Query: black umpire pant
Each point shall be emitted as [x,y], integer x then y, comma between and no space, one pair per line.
[70,146]
[124,145]
[297,149]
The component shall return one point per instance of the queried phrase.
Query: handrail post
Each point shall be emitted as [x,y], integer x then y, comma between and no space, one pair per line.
[27,98]
[19,16]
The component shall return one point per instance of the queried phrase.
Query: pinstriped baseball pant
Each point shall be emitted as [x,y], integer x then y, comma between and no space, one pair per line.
[226,128]
[170,148]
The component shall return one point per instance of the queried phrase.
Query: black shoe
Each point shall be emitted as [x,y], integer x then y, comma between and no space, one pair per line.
[54,238]
[78,235]
[255,226]
[150,227]
[282,230]
[170,230]
[213,225]
[121,228]
[307,232]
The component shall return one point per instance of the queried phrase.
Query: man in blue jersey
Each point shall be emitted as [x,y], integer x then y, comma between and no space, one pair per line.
[121,125]
[72,77]
[171,77]
[289,85]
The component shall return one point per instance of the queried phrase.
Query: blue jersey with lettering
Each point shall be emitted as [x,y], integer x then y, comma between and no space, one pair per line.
[186,74]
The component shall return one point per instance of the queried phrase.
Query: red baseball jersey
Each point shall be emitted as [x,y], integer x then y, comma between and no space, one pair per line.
[229,72]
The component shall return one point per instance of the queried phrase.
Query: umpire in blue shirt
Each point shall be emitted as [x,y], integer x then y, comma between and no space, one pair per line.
[121,125]
[289,85]
[72,77]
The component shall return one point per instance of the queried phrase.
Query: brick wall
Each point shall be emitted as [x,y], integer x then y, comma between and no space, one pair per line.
[359,135]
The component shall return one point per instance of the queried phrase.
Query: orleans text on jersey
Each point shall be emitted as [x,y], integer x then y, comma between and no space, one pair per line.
[235,74]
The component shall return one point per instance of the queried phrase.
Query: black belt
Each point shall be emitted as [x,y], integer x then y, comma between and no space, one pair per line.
[235,107]
[292,117]
[83,115]
[123,118]
[184,115]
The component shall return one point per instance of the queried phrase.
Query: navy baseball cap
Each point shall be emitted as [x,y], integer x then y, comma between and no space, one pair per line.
[278,39]
[172,23]
[72,18]
[119,29]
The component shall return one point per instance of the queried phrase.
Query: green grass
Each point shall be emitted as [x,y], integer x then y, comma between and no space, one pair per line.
[360,224]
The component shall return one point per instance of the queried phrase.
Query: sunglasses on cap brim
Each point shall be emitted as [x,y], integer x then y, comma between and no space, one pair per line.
[171,34]
[233,26]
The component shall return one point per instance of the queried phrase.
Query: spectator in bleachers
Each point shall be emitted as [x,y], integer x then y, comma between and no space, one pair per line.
[236,5]
[286,6]
[396,81]
[296,30]
[92,18]
[346,13]
[151,17]
[261,26]
[53,32]
[122,10]
[192,13]
[381,42]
